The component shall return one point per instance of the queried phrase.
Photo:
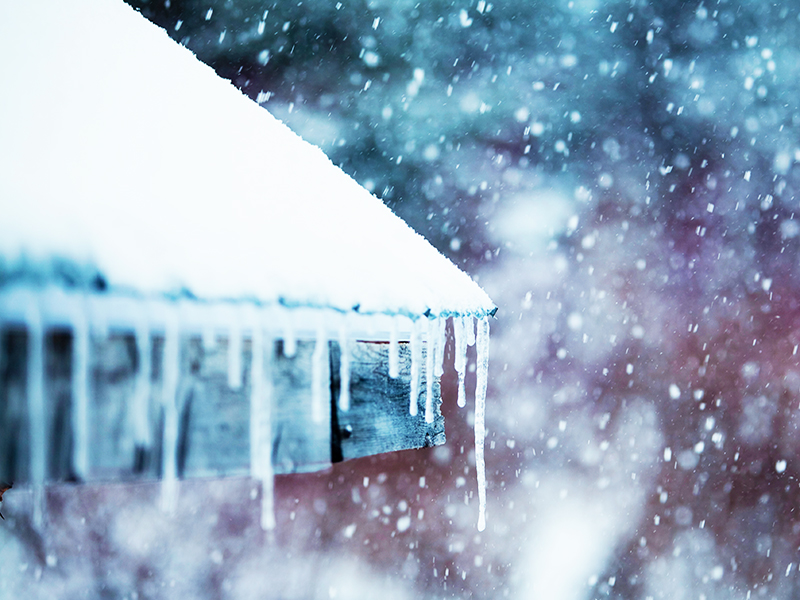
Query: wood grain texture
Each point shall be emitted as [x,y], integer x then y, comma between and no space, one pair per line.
[379,420]
[214,419]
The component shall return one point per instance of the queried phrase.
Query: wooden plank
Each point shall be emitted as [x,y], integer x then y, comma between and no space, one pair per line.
[14,444]
[379,420]
[213,418]
[299,443]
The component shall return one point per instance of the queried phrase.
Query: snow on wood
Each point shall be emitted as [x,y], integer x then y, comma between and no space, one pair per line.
[125,157]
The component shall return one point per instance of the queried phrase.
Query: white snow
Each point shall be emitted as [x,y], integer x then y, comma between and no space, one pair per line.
[470,329]
[168,180]
[289,337]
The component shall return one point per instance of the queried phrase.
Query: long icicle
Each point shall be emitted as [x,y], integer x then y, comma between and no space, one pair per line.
[235,355]
[36,409]
[141,408]
[208,337]
[169,402]
[394,353]
[441,341]
[80,391]
[460,359]
[261,427]
[482,348]
[416,359]
[267,472]
[289,336]
[317,376]
[469,327]
[344,368]
[430,355]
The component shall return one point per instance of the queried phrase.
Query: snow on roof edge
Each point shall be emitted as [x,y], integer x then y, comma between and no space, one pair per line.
[421,282]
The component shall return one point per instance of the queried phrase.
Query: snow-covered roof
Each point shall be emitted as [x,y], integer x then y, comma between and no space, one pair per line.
[124,158]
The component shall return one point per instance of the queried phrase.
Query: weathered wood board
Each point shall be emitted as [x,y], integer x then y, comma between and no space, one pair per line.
[378,420]
[125,437]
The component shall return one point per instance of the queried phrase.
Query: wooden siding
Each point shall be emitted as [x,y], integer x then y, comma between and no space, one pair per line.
[213,418]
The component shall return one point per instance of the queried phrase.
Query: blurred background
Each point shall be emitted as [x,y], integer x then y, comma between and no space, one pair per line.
[621,177]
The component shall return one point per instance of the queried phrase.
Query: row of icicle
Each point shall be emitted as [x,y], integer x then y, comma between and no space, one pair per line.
[261,390]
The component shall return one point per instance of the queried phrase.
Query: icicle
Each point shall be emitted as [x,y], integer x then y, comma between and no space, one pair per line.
[317,377]
[460,359]
[99,311]
[344,369]
[261,429]
[440,341]
[416,359]
[256,399]
[141,403]
[235,356]
[394,353]
[36,408]
[268,497]
[289,339]
[430,355]
[80,393]
[169,402]
[209,338]
[482,348]
[469,327]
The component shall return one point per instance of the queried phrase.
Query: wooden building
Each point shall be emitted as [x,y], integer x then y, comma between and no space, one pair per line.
[189,289]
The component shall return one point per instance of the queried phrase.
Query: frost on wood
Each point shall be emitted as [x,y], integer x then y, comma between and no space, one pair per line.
[215,226]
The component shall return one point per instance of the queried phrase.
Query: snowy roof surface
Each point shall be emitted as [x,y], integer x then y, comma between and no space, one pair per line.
[123,155]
